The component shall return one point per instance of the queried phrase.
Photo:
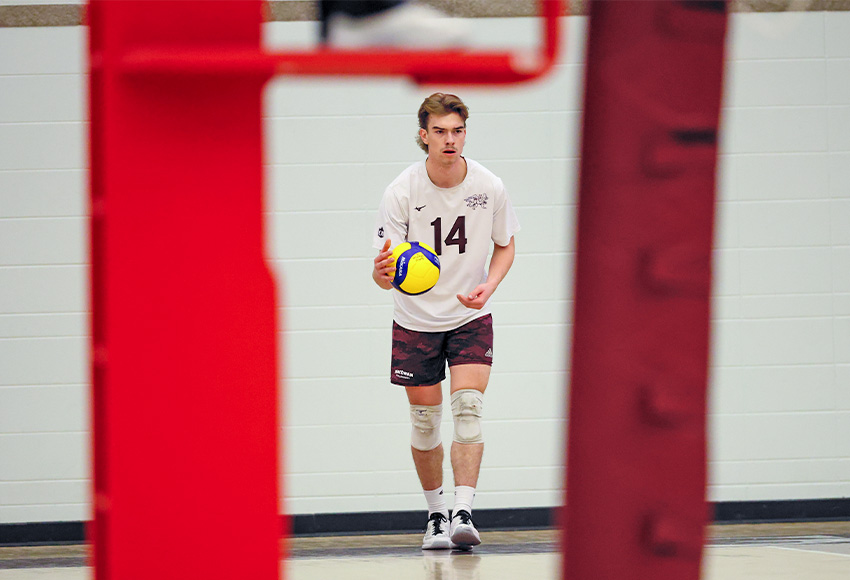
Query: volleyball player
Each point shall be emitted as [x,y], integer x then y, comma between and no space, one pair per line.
[462,210]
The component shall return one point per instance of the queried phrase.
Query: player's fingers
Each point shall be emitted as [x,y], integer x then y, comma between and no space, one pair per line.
[474,299]
[466,301]
[384,261]
[385,251]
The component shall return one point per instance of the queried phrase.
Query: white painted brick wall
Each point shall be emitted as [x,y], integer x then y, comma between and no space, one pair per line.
[779,425]
[780,396]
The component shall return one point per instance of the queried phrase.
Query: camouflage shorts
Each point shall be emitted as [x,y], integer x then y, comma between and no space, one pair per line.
[419,358]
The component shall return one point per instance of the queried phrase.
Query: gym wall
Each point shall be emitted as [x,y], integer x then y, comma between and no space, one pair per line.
[780,375]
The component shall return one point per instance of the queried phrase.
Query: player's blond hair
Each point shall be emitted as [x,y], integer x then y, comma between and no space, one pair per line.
[439,104]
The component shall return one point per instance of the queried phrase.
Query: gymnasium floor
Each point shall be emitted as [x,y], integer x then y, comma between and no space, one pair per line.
[816,551]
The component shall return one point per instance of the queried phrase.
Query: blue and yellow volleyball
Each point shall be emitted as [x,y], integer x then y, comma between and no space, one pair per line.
[417,268]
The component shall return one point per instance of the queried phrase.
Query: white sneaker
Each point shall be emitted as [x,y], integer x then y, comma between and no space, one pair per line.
[409,25]
[436,533]
[463,532]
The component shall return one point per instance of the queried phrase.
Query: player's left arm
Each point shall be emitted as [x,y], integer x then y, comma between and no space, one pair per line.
[500,264]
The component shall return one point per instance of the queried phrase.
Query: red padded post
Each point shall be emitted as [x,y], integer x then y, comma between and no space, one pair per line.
[183,324]
[183,311]
[636,475]
[184,382]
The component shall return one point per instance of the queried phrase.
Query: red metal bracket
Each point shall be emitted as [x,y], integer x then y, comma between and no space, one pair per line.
[423,67]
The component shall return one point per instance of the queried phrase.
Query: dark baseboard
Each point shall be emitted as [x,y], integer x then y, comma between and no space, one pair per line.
[797,510]
[42,533]
[414,521]
[729,512]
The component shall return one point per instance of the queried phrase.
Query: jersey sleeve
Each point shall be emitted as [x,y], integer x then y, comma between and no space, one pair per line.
[505,221]
[392,219]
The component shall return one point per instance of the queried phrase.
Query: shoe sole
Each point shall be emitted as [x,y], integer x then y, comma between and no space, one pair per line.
[461,548]
[465,539]
[442,544]
[430,30]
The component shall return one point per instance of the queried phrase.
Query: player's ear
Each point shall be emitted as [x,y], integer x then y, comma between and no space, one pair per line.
[423,134]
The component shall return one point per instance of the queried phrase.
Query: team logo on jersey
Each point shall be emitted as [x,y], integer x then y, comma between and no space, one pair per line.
[380,232]
[476,201]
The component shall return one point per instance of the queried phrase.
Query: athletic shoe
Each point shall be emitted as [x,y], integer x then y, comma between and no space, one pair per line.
[463,532]
[436,533]
[409,25]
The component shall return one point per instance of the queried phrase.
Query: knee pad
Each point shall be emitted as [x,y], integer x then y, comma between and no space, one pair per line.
[426,420]
[467,405]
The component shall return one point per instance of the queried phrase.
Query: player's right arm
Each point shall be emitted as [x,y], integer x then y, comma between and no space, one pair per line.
[391,224]
[383,270]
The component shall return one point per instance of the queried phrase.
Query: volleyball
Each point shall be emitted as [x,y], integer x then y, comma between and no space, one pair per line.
[417,268]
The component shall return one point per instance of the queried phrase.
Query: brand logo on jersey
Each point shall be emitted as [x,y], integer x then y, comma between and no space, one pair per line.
[404,375]
[489,353]
[476,201]
[418,208]
[380,232]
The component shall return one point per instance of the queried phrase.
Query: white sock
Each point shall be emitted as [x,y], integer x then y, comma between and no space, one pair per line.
[463,498]
[436,501]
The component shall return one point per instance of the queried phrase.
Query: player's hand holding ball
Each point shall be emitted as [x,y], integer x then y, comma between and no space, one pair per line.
[384,269]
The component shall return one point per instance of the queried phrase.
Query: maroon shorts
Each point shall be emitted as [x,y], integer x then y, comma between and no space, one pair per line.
[419,358]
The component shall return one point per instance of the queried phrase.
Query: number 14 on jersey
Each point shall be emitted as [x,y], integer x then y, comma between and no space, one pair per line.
[455,237]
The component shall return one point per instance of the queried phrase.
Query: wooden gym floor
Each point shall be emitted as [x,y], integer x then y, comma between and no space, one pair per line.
[817,551]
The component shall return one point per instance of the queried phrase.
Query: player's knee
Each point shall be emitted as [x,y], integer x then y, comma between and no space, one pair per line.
[467,405]
[426,420]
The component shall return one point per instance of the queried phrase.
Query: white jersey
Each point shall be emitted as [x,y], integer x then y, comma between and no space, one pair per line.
[459,223]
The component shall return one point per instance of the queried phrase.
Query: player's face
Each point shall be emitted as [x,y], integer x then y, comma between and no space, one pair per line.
[445,137]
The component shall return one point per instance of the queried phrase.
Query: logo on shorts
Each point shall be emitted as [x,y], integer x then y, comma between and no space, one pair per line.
[400,374]
[380,232]
[489,353]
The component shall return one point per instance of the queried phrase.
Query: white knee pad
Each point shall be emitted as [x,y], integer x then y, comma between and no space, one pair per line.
[426,420]
[467,405]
